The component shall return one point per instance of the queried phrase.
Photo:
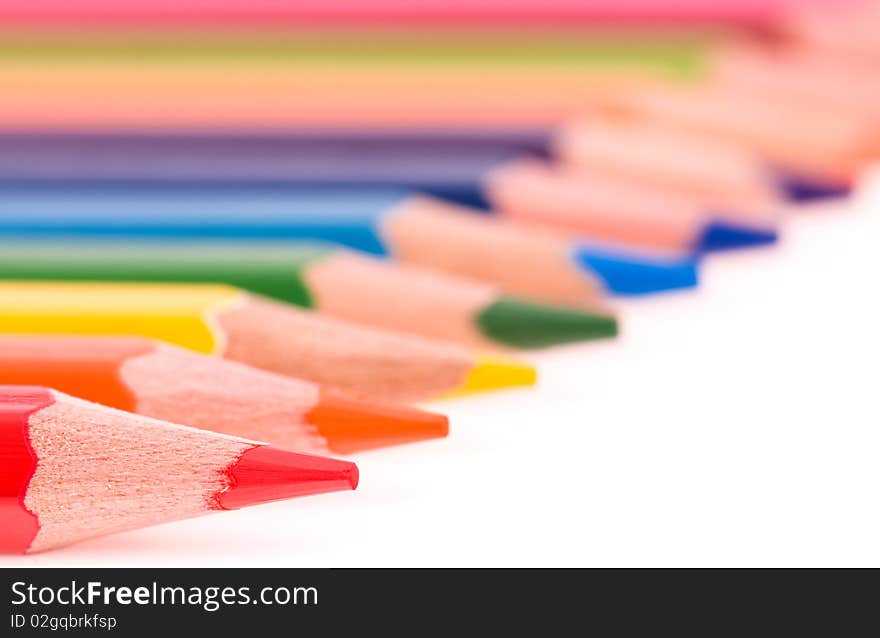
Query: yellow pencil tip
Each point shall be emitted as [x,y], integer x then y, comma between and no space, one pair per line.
[494,372]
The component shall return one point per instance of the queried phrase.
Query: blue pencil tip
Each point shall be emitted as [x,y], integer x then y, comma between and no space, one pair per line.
[630,274]
[727,236]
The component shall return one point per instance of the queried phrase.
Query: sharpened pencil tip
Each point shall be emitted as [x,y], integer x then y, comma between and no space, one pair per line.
[265,473]
[524,324]
[804,189]
[630,274]
[719,236]
[493,373]
[351,424]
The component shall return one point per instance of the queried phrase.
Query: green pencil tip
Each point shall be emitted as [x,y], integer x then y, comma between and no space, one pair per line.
[524,324]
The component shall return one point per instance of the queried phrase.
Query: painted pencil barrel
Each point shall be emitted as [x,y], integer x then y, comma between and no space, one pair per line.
[678,54]
[199,97]
[394,12]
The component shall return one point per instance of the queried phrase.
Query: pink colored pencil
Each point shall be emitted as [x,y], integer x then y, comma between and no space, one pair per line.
[274,13]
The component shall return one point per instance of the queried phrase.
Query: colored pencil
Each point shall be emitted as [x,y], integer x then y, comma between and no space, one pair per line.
[322,12]
[195,96]
[673,52]
[521,261]
[801,75]
[727,176]
[851,32]
[74,470]
[624,210]
[165,382]
[222,320]
[799,140]
[333,281]
[474,172]
[451,166]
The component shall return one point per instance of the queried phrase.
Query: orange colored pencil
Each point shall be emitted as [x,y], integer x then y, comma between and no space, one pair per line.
[191,96]
[166,382]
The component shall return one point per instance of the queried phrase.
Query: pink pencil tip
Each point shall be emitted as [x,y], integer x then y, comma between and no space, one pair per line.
[265,473]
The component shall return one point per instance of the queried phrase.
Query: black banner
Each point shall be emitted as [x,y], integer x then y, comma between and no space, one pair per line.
[252,602]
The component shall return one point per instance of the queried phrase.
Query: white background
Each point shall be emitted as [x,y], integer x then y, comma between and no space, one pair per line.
[738,425]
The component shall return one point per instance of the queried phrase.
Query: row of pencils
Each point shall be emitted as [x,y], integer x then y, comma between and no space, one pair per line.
[241,239]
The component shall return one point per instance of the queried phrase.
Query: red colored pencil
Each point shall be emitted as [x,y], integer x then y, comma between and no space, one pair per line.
[71,470]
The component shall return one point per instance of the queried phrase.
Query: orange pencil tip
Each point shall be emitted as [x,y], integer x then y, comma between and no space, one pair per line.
[350,424]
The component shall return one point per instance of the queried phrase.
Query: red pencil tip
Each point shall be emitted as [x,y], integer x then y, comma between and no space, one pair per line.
[265,473]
